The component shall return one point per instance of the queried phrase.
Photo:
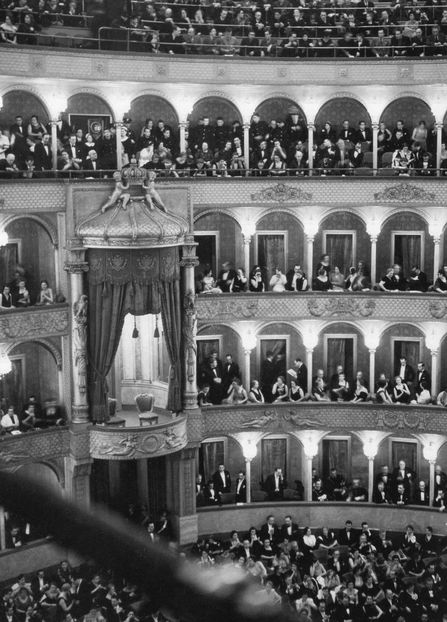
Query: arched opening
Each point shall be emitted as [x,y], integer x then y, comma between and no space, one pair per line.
[343,236]
[219,239]
[29,255]
[341,343]
[35,371]
[88,112]
[279,241]
[410,110]
[23,103]
[338,110]
[404,240]
[401,340]
[153,107]
[214,107]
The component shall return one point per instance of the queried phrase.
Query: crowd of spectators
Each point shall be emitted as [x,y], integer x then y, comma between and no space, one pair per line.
[16,293]
[32,416]
[220,383]
[328,279]
[277,147]
[326,575]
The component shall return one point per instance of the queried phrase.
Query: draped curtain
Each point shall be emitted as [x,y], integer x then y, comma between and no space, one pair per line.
[9,258]
[137,282]
[407,251]
[211,454]
[407,349]
[274,454]
[340,351]
[404,451]
[271,253]
[336,455]
[339,247]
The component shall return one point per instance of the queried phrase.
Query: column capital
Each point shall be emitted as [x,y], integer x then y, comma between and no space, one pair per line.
[79,413]
[248,460]
[246,126]
[248,351]
[183,124]
[434,352]
[436,239]
[189,262]
[439,125]
[372,350]
[53,122]
[310,350]
[373,239]
[247,239]
[311,126]
[76,267]
[310,239]
[375,125]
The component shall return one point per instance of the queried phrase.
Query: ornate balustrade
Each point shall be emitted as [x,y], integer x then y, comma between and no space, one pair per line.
[334,515]
[330,416]
[49,446]
[404,307]
[131,443]
[34,323]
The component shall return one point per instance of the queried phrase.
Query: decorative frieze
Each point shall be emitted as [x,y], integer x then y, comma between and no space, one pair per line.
[281,193]
[33,446]
[404,193]
[35,322]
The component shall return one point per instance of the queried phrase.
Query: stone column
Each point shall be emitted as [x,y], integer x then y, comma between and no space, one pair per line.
[2,529]
[247,243]
[189,262]
[77,479]
[78,341]
[373,239]
[375,129]
[434,375]
[438,127]
[431,481]
[181,493]
[182,138]
[310,145]
[248,478]
[370,478]
[309,363]
[246,127]
[372,369]
[436,256]
[53,127]
[119,145]
[247,372]
[310,259]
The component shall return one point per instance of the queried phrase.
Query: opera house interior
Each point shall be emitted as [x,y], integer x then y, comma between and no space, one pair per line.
[223,293]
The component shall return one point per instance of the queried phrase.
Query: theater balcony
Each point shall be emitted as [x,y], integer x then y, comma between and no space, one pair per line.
[34,323]
[48,446]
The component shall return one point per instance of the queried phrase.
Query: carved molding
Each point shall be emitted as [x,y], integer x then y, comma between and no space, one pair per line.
[341,307]
[404,193]
[33,323]
[401,420]
[40,446]
[438,309]
[281,193]
[208,309]
[136,443]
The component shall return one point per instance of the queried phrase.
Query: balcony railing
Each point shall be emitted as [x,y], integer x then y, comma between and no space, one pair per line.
[34,322]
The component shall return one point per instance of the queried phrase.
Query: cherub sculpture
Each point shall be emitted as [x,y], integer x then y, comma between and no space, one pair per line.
[152,197]
[119,194]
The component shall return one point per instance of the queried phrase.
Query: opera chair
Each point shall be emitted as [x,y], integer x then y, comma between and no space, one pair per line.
[145,406]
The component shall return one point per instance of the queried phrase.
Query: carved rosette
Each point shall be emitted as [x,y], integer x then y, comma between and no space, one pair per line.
[227,309]
[341,306]
[282,193]
[137,443]
[33,323]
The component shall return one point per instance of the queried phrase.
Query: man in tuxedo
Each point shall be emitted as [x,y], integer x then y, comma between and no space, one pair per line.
[336,486]
[385,477]
[389,605]
[421,495]
[400,496]
[301,373]
[347,535]
[82,597]
[269,530]
[17,133]
[405,371]
[230,372]
[42,154]
[210,494]
[226,277]
[357,492]
[422,378]
[275,484]
[241,488]
[268,376]
[222,480]
[403,475]
[76,150]
[200,487]
[92,165]
[289,530]
[245,550]
[39,584]
[440,479]
[213,377]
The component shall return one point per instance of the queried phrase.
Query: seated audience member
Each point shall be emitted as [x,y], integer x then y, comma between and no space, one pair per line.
[360,391]
[357,492]
[337,279]
[10,421]
[319,393]
[441,399]
[6,298]
[440,285]
[208,283]
[403,161]
[278,281]
[400,496]
[319,492]
[51,415]
[401,392]
[423,395]
[321,282]
[210,495]
[388,283]
[45,294]
[8,167]
[203,396]
[417,281]
[296,393]
[421,495]
[256,283]
[381,494]
[255,394]
[226,277]
[296,279]
[29,419]
[236,393]
[280,391]
[336,486]
[340,390]
[383,395]
[240,282]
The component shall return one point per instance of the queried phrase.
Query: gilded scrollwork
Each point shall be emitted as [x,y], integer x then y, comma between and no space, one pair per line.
[281,193]
[80,341]
[341,306]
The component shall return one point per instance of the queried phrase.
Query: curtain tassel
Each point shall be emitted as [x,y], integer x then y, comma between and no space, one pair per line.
[156,331]
[135,332]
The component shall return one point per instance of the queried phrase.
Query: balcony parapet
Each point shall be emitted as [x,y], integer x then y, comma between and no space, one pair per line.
[34,322]
[36,446]
[287,417]
[132,443]
[218,308]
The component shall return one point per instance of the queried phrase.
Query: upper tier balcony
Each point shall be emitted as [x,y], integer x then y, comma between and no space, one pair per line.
[34,323]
